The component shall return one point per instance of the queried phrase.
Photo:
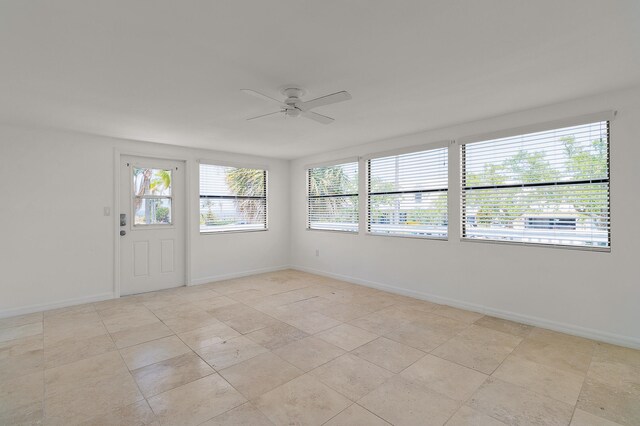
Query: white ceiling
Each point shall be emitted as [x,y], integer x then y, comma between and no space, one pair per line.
[171,71]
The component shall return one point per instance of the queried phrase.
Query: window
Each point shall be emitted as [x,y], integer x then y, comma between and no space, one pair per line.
[232,199]
[407,194]
[333,197]
[151,196]
[549,187]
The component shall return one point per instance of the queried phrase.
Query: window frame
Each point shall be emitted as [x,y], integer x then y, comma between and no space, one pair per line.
[332,163]
[397,152]
[214,163]
[606,116]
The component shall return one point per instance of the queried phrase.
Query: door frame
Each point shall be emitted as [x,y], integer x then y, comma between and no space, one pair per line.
[117,156]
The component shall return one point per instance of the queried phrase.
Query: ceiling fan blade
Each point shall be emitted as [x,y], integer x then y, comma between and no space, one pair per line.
[324,100]
[317,117]
[264,115]
[262,96]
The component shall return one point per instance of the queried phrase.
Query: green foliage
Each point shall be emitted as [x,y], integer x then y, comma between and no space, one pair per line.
[162,215]
[331,181]
[247,183]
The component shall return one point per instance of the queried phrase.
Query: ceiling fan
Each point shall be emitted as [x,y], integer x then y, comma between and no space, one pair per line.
[293,106]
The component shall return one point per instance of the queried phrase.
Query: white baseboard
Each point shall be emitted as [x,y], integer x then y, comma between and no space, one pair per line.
[214,278]
[572,329]
[55,305]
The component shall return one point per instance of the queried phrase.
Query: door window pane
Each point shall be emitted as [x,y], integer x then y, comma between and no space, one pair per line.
[152,197]
[152,211]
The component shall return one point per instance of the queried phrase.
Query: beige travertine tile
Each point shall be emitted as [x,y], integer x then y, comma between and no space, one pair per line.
[347,337]
[389,354]
[428,333]
[175,310]
[90,370]
[467,416]
[30,414]
[193,294]
[615,374]
[171,373]
[244,415]
[69,311]
[513,404]
[355,415]
[90,398]
[582,418]
[135,318]
[21,356]
[144,333]
[309,322]
[277,335]
[137,414]
[479,348]
[21,320]
[505,326]
[260,374]
[353,377]
[21,398]
[548,381]
[230,352]
[619,404]
[343,312]
[302,401]
[20,331]
[226,312]
[161,299]
[578,344]
[381,322]
[445,377]
[195,402]
[154,351]
[75,351]
[205,336]
[611,353]
[70,331]
[213,303]
[401,402]
[457,314]
[250,321]
[190,321]
[309,353]
[554,355]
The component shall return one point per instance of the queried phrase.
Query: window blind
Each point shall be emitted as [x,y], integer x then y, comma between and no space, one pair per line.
[333,197]
[549,187]
[232,199]
[407,194]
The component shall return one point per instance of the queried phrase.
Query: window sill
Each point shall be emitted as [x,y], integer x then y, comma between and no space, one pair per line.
[414,237]
[538,245]
[239,231]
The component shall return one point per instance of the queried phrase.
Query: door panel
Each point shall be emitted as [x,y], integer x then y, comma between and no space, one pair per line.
[152,238]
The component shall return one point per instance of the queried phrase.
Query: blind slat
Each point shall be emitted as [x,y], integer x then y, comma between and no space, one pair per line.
[232,199]
[407,194]
[332,195]
[547,187]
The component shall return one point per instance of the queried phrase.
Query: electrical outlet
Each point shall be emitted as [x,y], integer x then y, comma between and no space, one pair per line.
[107,211]
[317,252]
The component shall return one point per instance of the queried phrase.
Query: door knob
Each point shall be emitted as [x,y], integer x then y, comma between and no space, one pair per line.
[123,233]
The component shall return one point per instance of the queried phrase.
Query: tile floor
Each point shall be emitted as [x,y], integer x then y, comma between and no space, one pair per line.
[290,348]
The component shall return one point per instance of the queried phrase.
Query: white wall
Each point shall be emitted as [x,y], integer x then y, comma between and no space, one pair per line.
[57,247]
[586,293]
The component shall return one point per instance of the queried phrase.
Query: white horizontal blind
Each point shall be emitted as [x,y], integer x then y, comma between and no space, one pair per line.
[232,199]
[548,187]
[333,197]
[407,194]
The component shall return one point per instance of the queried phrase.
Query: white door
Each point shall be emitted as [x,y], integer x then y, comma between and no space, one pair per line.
[152,224]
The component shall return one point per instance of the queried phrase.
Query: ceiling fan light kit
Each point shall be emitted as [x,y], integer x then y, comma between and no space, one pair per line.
[294,106]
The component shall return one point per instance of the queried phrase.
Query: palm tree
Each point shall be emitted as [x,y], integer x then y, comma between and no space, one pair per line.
[248,183]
